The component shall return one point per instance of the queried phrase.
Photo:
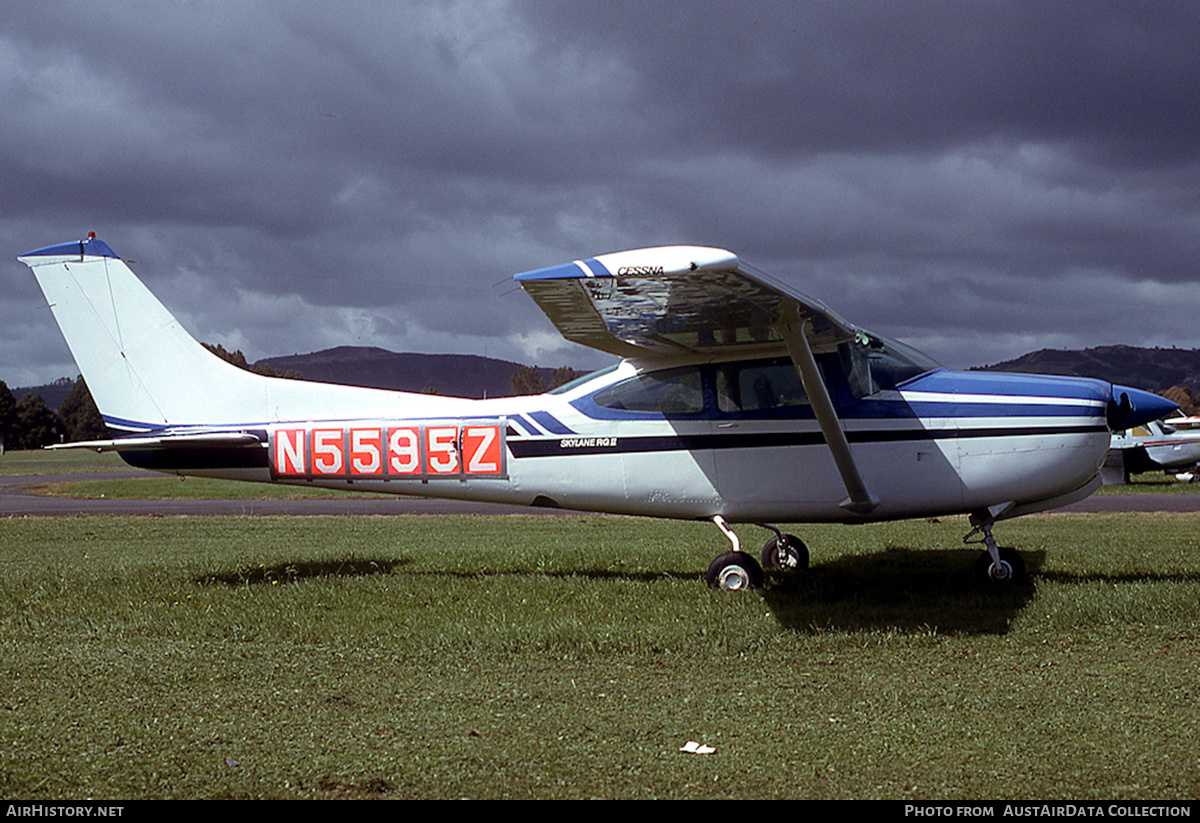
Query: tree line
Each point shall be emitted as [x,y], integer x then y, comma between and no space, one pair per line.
[1186,397]
[530,380]
[29,423]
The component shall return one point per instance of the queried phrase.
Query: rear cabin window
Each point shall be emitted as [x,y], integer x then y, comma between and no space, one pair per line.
[673,391]
[579,381]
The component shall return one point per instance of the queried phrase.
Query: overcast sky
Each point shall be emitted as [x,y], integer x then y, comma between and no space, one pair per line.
[980,179]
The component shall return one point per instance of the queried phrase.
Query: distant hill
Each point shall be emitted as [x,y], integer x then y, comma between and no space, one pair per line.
[1154,369]
[454,375]
[53,394]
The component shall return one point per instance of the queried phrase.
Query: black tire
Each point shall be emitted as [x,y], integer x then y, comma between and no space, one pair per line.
[735,571]
[1012,568]
[789,555]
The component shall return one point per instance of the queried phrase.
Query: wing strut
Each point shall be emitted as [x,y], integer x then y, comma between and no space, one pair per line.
[860,501]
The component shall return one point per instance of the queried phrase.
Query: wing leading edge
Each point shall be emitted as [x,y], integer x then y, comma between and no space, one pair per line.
[674,300]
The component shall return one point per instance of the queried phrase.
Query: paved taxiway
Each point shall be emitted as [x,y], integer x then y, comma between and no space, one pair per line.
[17,501]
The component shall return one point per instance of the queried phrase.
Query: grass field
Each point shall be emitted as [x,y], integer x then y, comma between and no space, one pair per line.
[40,461]
[573,657]
[101,483]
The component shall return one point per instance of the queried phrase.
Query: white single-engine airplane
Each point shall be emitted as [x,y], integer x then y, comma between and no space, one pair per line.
[1158,446]
[739,400]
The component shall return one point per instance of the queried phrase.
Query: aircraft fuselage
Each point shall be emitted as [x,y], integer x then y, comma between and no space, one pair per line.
[684,446]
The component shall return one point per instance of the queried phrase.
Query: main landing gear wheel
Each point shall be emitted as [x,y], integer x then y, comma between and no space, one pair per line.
[786,552]
[735,571]
[1010,570]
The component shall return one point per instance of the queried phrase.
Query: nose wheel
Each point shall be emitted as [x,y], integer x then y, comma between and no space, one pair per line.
[997,565]
[1005,571]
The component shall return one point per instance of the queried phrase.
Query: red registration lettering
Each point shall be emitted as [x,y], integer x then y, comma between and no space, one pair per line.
[404,451]
[289,452]
[441,449]
[415,451]
[328,451]
[481,449]
[366,451]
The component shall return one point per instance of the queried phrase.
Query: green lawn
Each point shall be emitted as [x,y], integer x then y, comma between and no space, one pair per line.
[42,461]
[164,487]
[1153,483]
[148,486]
[573,657]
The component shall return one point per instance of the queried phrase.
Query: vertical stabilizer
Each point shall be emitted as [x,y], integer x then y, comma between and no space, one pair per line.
[146,372]
[142,367]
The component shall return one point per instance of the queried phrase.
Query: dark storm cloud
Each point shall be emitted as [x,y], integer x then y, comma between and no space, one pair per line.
[887,77]
[983,178]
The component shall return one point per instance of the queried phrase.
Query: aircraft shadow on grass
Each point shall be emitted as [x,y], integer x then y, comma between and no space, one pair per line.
[899,589]
[295,572]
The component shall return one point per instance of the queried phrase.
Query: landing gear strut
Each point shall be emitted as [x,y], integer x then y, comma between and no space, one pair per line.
[996,565]
[734,570]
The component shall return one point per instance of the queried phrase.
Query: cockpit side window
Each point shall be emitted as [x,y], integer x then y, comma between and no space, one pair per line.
[669,392]
[766,388]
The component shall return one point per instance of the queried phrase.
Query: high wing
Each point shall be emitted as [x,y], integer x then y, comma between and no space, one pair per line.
[677,300]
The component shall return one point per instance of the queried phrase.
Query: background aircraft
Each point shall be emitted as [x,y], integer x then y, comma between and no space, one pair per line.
[739,400]
[1158,445]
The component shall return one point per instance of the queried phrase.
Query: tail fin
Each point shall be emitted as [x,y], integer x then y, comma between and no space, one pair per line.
[146,372]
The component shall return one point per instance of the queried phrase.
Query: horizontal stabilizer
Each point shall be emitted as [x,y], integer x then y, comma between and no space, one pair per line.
[194,440]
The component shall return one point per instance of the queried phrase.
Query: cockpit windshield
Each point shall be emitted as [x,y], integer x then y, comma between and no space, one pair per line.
[894,362]
[874,363]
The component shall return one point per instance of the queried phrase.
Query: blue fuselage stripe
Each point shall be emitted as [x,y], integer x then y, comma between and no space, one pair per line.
[774,440]
[550,423]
